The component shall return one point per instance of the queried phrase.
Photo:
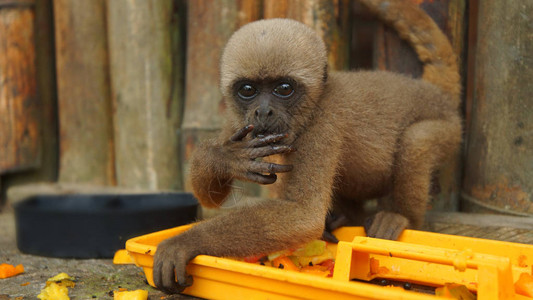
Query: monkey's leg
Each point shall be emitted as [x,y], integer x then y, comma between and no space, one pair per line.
[421,148]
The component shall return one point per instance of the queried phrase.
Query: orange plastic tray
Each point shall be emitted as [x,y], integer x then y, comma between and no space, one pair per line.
[485,266]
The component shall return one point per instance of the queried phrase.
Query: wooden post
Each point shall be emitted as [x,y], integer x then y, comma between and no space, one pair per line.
[19,105]
[147,100]
[85,127]
[499,152]
[210,24]
[328,18]
[394,54]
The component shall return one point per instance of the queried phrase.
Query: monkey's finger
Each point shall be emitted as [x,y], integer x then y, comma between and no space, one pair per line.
[260,178]
[157,275]
[184,279]
[242,133]
[269,139]
[170,286]
[269,168]
[269,150]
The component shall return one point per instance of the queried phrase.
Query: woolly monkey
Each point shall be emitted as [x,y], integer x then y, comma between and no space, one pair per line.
[315,135]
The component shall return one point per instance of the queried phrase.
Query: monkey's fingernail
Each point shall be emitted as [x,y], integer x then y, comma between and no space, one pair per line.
[250,126]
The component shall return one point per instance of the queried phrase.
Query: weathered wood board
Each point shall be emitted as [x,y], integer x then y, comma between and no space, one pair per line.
[146,98]
[499,154]
[19,105]
[84,105]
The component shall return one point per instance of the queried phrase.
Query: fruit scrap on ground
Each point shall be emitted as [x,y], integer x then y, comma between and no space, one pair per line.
[312,258]
[57,287]
[7,270]
[524,285]
[130,295]
[54,291]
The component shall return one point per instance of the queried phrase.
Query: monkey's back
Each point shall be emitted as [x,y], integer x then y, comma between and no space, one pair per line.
[372,109]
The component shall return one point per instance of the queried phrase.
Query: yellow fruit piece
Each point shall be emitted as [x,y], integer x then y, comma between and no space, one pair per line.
[122,257]
[131,295]
[524,285]
[315,260]
[54,291]
[313,248]
[62,279]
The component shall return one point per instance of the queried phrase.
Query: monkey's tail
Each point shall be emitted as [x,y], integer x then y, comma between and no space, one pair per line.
[429,42]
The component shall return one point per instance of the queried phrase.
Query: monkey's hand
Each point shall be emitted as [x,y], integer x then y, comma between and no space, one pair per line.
[386,225]
[242,159]
[173,254]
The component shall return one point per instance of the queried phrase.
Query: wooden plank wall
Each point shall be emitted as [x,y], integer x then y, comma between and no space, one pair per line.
[146,108]
[119,105]
[137,86]
[84,106]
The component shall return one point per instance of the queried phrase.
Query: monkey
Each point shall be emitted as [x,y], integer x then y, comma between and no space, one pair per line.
[315,135]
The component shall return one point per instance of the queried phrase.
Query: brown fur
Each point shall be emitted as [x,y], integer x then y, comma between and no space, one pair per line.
[357,135]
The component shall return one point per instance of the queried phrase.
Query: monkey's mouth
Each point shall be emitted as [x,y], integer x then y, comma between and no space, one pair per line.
[263,133]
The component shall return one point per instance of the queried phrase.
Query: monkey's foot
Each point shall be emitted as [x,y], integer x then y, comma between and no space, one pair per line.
[386,225]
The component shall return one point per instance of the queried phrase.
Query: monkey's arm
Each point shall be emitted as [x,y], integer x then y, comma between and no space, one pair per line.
[268,226]
[216,163]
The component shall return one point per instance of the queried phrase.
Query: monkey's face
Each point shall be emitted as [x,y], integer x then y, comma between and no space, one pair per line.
[268,104]
[272,76]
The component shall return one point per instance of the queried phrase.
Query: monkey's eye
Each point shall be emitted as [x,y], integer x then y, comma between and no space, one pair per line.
[283,90]
[247,92]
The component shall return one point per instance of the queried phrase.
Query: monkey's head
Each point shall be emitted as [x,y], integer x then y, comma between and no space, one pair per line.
[273,73]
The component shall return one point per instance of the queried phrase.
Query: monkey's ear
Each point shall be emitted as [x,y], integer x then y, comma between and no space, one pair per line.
[325,75]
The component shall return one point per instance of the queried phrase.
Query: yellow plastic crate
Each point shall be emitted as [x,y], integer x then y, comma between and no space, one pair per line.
[485,266]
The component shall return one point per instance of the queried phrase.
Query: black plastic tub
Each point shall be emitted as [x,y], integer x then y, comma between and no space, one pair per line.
[95,226]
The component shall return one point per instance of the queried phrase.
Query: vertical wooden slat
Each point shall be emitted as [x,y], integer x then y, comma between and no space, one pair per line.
[146,105]
[85,127]
[328,18]
[19,105]
[46,87]
[210,24]
[499,156]
[394,54]
[46,115]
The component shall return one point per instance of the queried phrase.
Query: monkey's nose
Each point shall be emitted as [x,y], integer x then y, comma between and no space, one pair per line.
[263,113]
